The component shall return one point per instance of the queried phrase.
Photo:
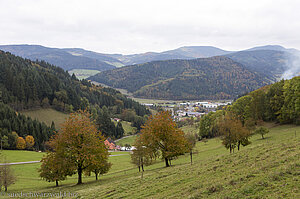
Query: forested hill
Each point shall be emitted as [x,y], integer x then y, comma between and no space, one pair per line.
[25,84]
[204,78]
[270,63]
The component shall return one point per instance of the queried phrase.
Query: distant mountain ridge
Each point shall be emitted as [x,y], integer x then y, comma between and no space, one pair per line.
[59,57]
[77,58]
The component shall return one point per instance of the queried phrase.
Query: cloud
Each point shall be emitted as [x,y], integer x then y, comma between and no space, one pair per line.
[134,26]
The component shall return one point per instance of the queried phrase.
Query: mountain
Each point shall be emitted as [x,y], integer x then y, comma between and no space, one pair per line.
[204,78]
[65,58]
[270,63]
[186,52]
[77,58]
[197,51]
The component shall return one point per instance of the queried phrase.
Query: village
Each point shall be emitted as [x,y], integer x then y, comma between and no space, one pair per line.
[193,109]
[180,111]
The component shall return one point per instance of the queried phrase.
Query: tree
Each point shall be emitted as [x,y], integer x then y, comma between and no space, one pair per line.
[4,142]
[7,177]
[98,169]
[29,141]
[141,155]
[233,132]
[80,143]
[160,134]
[262,131]
[191,143]
[54,168]
[21,144]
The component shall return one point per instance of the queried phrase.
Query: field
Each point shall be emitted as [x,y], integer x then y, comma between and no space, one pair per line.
[268,168]
[21,156]
[190,129]
[83,73]
[47,116]
[126,140]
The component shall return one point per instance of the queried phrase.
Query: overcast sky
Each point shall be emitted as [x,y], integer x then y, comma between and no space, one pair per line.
[136,26]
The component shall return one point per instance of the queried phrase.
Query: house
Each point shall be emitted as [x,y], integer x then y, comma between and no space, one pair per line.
[117,119]
[110,144]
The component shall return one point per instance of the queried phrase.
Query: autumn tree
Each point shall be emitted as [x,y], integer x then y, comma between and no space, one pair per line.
[21,144]
[161,135]
[233,132]
[262,131]
[80,143]
[191,143]
[55,169]
[141,155]
[7,177]
[29,141]
[98,170]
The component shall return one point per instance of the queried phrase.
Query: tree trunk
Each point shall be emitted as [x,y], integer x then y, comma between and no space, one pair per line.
[142,167]
[5,188]
[56,183]
[96,174]
[139,169]
[191,154]
[230,148]
[79,170]
[167,162]
[239,146]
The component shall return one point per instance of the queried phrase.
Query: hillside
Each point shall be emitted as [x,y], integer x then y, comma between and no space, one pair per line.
[204,78]
[25,84]
[37,86]
[67,59]
[267,168]
[270,63]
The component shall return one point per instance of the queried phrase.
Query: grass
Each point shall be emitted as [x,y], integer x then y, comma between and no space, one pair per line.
[21,156]
[128,129]
[190,129]
[47,116]
[126,140]
[83,73]
[268,168]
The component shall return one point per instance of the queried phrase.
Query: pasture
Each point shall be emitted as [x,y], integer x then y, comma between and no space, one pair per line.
[267,168]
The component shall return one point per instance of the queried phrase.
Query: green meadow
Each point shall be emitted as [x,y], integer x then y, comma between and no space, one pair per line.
[47,116]
[267,168]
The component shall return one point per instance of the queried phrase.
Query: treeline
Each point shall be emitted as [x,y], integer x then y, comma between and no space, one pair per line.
[279,102]
[14,127]
[25,84]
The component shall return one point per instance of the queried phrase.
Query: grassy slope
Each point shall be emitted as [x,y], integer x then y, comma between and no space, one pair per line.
[267,168]
[21,156]
[190,129]
[128,129]
[127,140]
[83,73]
[47,116]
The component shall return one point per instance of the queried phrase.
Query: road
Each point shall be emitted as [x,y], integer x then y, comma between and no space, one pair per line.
[30,162]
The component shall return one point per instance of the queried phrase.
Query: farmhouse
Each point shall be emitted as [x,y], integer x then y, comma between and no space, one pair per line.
[110,144]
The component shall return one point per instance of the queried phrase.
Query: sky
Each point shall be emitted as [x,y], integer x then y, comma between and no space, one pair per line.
[138,26]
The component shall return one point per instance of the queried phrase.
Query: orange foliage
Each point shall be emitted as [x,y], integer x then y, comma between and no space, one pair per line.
[21,144]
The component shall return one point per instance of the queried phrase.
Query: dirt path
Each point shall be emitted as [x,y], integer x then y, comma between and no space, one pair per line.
[31,162]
